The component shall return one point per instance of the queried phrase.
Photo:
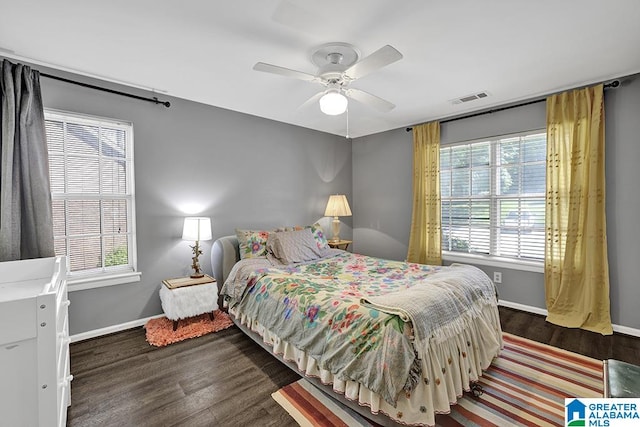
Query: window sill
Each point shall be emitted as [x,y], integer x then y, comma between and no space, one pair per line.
[84,283]
[535,267]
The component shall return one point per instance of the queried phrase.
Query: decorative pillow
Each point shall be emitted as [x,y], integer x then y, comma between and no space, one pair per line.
[290,247]
[252,243]
[318,234]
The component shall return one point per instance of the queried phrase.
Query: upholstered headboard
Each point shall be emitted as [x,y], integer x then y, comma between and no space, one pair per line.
[224,254]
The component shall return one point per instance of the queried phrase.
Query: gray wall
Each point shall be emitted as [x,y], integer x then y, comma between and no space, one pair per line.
[244,171]
[382,188]
[241,170]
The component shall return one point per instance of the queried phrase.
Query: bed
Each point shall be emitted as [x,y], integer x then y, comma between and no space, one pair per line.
[399,342]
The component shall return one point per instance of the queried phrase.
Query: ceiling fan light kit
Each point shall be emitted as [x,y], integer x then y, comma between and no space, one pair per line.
[338,66]
[333,103]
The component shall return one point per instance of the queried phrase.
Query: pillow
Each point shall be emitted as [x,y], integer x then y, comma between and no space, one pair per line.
[290,247]
[252,243]
[317,232]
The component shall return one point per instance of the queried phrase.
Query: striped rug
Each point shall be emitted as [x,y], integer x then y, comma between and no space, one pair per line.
[525,386]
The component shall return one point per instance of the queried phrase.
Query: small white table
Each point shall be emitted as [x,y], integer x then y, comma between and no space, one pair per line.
[188,301]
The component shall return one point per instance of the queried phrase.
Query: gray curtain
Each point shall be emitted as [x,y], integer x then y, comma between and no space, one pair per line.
[26,225]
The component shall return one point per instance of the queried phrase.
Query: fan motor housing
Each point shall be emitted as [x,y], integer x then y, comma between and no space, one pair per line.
[333,58]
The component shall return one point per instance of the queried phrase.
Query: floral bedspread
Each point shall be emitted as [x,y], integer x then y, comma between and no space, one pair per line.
[317,308]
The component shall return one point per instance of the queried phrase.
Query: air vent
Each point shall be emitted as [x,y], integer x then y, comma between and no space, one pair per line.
[470,98]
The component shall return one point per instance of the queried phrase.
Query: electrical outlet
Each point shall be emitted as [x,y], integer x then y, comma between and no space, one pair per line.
[497,277]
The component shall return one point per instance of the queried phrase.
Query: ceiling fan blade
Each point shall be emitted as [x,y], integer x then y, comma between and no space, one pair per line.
[382,57]
[274,69]
[313,100]
[368,99]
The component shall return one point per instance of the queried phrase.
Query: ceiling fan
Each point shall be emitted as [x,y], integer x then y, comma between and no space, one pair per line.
[338,66]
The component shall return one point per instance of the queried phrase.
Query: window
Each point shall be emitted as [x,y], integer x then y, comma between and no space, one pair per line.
[493,197]
[91,173]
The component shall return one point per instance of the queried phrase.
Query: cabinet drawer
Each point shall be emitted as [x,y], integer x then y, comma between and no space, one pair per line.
[18,384]
[21,315]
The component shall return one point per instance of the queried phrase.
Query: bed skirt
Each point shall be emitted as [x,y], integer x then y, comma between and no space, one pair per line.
[448,370]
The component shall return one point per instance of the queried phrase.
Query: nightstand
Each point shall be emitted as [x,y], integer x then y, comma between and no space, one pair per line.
[340,244]
[186,297]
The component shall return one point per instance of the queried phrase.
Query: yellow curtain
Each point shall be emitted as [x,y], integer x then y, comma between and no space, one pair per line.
[425,241]
[576,267]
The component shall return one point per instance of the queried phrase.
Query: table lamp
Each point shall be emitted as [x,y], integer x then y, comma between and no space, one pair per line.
[196,228]
[337,206]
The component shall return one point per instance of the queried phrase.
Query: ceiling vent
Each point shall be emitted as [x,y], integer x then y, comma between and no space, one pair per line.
[470,98]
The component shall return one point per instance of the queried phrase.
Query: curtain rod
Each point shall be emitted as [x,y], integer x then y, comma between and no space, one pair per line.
[104,89]
[613,84]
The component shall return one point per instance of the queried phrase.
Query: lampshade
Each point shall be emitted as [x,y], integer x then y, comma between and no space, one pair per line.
[197,228]
[337,206]
[333,103]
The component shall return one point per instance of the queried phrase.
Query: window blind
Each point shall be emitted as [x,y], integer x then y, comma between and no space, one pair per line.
[90,164]
[493,195]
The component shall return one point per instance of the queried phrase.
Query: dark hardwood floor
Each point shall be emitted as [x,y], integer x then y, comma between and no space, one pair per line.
[225,379]
[220,379]
[534,327]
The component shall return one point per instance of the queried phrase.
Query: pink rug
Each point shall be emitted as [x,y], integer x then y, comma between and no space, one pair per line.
[160,331]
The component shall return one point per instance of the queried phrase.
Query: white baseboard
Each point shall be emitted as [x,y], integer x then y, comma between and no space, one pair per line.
[616,328]
[111,329]
[626,330]
[522,307]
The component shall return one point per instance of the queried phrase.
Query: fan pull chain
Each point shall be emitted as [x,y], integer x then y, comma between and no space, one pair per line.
[347,135]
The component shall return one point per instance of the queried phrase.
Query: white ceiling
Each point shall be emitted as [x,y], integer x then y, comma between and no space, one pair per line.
[204,50]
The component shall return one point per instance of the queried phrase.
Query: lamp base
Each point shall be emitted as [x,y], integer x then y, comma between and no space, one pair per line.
[197,273]
[335,228]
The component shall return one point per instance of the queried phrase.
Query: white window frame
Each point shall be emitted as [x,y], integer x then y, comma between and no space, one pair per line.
[493,260]
[110,276]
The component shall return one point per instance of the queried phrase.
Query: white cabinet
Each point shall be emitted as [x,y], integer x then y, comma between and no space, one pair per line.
[35,381]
